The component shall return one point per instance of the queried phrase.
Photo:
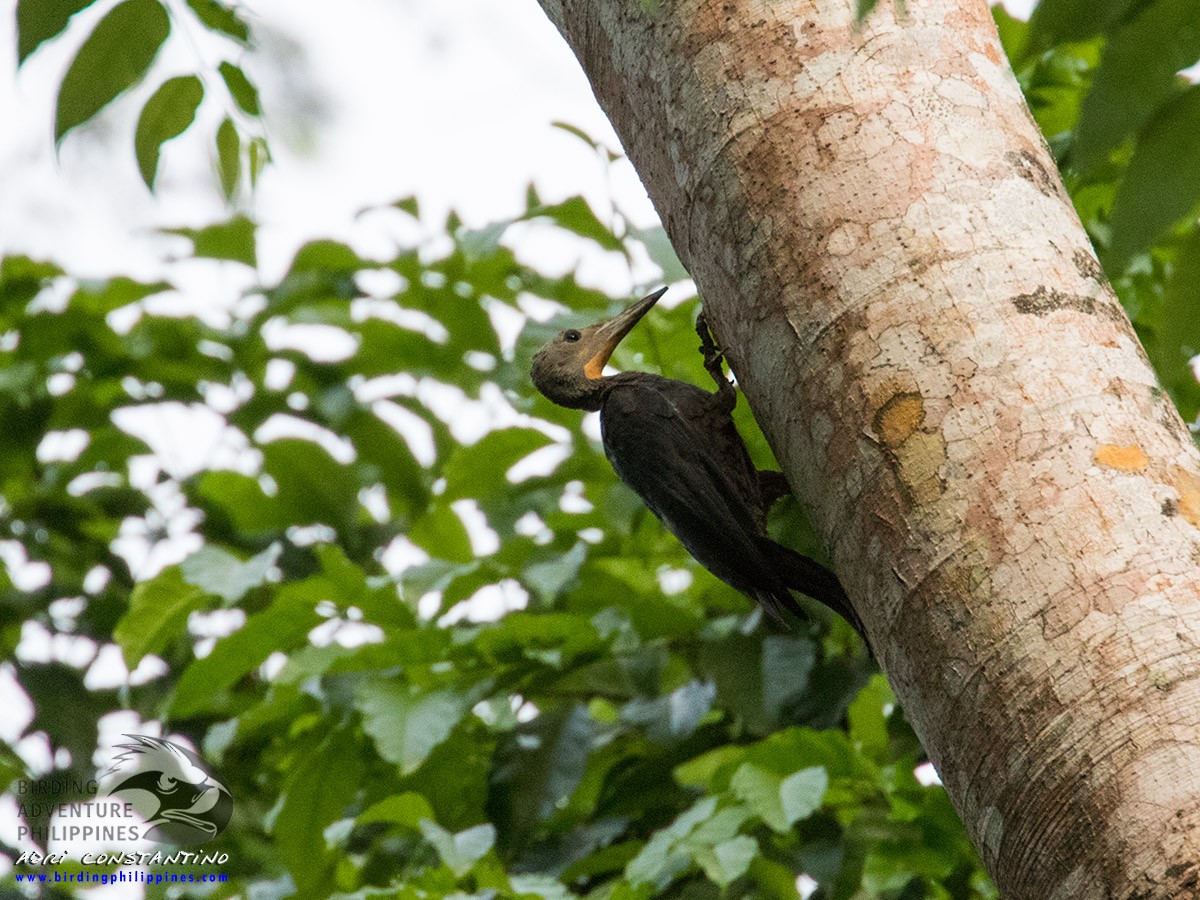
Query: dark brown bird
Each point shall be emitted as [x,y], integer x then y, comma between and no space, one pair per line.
[676,446]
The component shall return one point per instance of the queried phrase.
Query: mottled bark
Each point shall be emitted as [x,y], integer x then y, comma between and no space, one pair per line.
[923,332]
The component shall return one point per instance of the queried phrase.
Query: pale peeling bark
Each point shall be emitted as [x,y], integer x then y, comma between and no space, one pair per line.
[923,332]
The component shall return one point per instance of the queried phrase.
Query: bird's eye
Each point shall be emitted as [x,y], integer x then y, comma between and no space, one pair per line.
[571,335]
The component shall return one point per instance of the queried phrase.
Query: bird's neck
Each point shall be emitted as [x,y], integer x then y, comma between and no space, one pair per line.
[581,392]
[589,393]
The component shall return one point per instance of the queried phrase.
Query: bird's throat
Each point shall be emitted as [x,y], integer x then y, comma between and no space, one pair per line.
[594,368]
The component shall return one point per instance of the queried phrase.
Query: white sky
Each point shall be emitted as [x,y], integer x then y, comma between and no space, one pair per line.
[451,101]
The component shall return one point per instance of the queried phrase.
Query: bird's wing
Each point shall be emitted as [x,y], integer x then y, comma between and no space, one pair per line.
[659,436]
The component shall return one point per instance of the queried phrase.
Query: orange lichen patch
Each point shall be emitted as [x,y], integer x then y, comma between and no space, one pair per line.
[1127,459]
[899,417]
[1188,485]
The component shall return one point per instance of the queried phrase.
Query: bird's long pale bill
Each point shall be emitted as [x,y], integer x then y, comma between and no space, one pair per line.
[614,330]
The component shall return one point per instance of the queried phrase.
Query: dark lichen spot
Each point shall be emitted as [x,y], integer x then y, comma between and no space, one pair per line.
[1046,300]
[1029,167]
[1170,508]
[1088,266]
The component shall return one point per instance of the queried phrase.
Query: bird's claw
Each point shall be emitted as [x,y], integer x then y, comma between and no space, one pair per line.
[713,356]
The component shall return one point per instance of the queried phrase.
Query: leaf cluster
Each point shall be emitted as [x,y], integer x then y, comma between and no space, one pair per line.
[119,54]
[384,730]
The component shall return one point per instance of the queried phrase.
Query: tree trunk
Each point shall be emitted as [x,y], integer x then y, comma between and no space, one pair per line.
[917,318]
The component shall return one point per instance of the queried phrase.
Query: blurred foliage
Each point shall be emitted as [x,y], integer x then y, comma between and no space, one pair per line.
[384,730]
[119,53]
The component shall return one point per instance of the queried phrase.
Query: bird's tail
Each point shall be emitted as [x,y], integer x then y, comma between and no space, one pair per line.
[774,601]
[799,573]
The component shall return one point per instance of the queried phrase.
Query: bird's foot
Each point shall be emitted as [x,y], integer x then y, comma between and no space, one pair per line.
[713,358]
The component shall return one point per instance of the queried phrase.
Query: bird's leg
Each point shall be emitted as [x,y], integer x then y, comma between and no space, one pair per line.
[726,393]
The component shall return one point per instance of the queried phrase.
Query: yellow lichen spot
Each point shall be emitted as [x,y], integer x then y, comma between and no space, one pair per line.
[897,419]
[1160,680]
[920,461]
[1127,459]
[1188,485]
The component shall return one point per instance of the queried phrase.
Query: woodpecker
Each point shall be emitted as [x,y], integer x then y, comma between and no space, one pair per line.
[676,446]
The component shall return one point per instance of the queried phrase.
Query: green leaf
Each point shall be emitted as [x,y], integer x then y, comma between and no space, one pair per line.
[661,859]
[320,786]
[229,157]
[729,860]
[1062,21]
[536,633]
[243,92]
[102,298]
[802,793]
[407,810]
[460,851]
[1162,183]
[780,802]
[673,717]
[313,486]
[537,770]
[576,215]
[868,723]
[382,447]
[761,790]
[327,256]
[787,663]
[478,470]
[551,577]
[1137,72]
[259,154]
[540,887]
[158,612]
[217,16]
[578,132]
[410,205]
[219,572]
[167,114]
[441,533]
[233,240]
[114,58]
[242,499]
[283,625]
[40,20]
[406,723]
[1014,33]
[1179,331]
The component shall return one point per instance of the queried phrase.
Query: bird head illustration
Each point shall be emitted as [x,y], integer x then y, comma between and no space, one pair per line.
[179,795]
